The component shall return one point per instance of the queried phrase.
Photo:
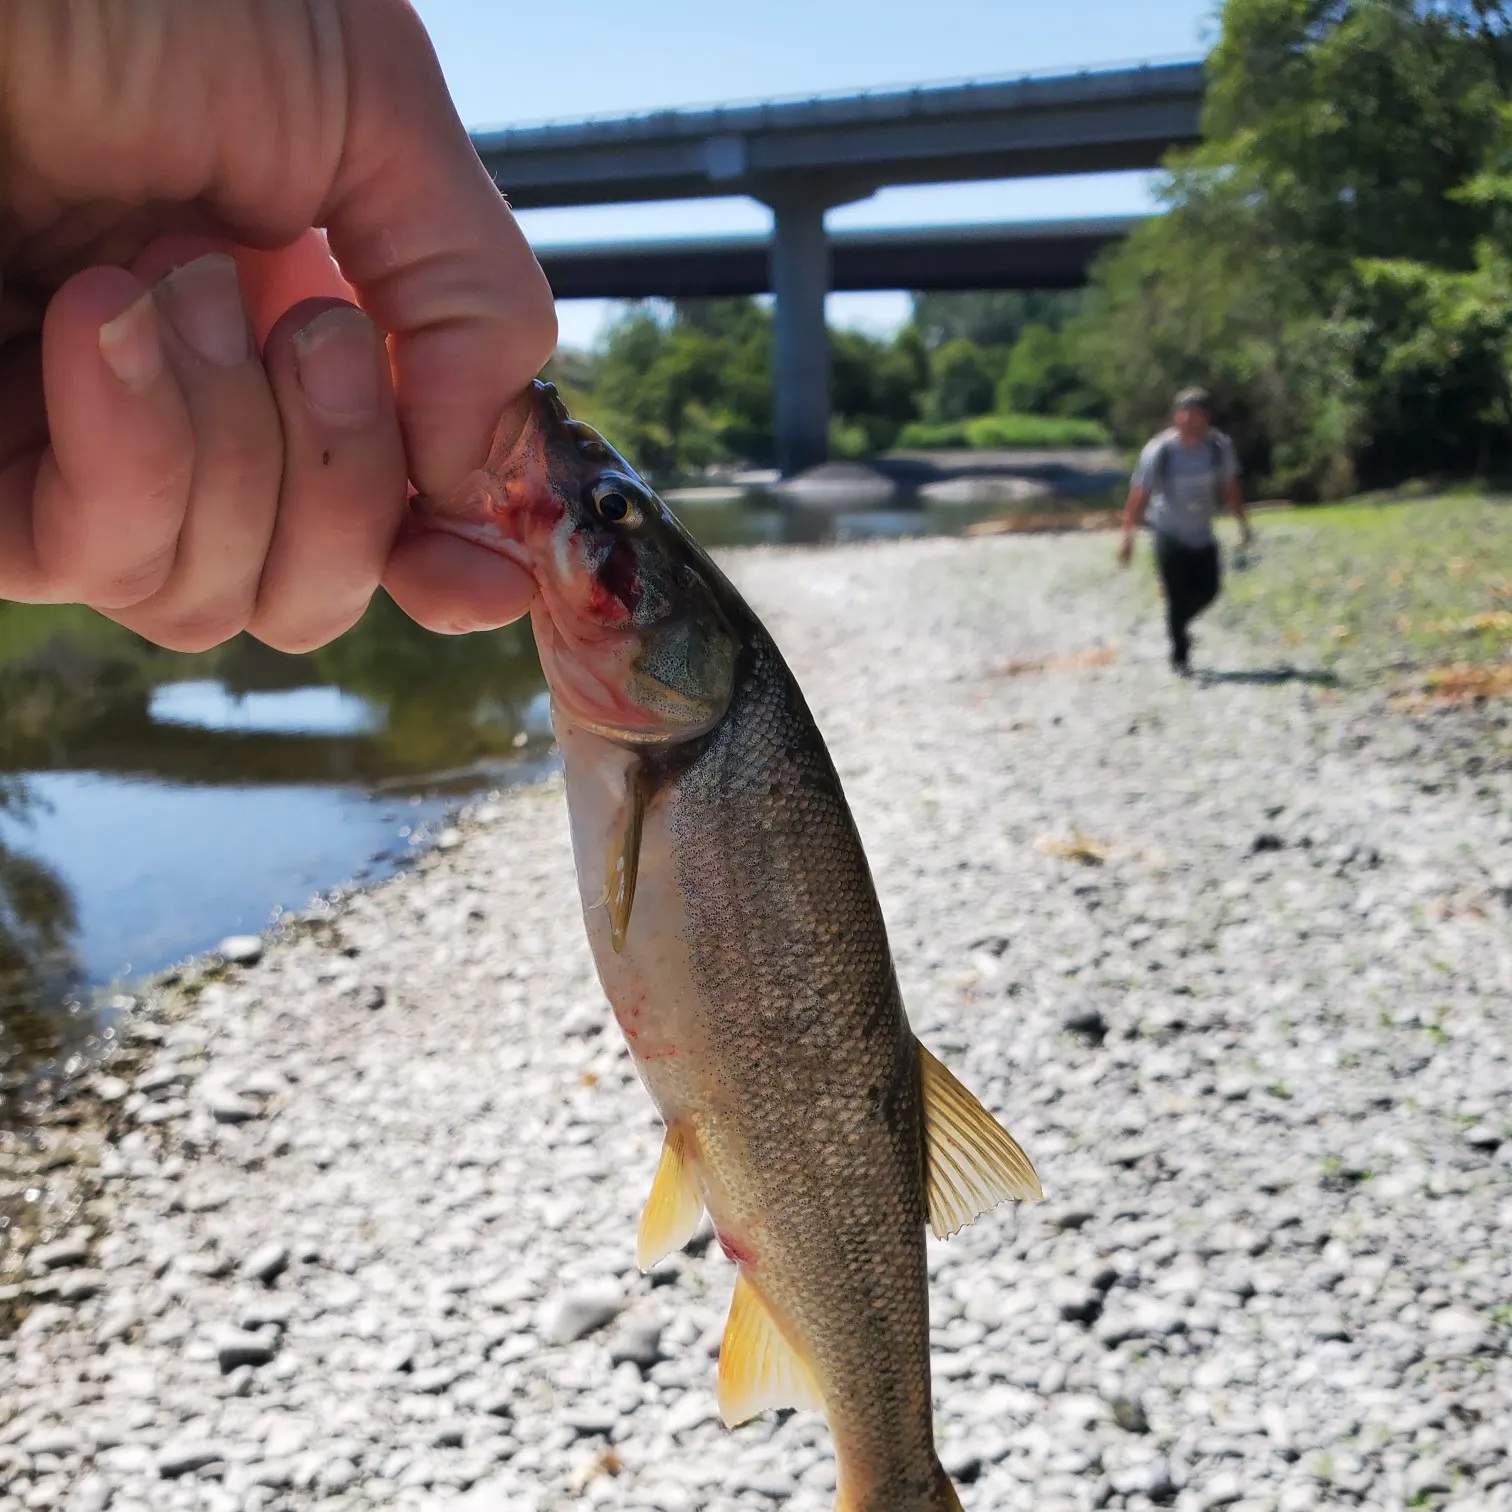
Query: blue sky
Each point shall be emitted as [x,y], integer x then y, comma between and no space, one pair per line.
[509,64]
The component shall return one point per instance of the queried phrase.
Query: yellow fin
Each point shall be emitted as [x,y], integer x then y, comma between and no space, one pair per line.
[973,1163]
[758,1369]
[624,859]
[674,1207]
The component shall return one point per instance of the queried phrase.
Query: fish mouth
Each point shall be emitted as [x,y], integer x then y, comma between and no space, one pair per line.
[489,533]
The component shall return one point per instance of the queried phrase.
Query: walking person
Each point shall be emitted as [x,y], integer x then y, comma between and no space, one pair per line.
[1185,474]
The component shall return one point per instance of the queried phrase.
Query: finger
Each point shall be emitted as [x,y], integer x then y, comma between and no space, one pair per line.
[94,516]
[421,231]
[277,281]
[211,589]
[344,480]
[453,587]
[272,282]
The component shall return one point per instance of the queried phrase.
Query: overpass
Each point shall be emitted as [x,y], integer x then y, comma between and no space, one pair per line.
[1010,255]
[804,157]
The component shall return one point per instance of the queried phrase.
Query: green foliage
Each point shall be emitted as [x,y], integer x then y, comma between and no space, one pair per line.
[1324,265]
[989,432]
[1374,584]
[681,394]
[1043,377]
[874,388]
[991,319]
[963,379]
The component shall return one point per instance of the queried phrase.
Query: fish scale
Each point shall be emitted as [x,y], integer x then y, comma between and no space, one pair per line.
[738,937]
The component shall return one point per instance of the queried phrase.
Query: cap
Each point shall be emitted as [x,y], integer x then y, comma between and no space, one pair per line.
[1193,398]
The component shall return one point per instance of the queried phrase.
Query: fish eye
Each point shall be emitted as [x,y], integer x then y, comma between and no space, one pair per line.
[613,504]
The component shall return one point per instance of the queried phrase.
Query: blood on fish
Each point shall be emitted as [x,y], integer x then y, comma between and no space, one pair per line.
[619,576]
[741,1254]
[659,1052]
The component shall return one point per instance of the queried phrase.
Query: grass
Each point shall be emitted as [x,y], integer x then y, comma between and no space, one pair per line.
[1376,585]
[987,432]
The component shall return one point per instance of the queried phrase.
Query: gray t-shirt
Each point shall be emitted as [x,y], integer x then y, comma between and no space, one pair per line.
[1186,491]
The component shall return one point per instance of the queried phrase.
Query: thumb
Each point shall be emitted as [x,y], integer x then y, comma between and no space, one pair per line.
[431,247]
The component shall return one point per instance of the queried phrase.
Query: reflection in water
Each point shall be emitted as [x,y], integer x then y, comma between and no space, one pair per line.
[38,968]
[151,803]
[299,711]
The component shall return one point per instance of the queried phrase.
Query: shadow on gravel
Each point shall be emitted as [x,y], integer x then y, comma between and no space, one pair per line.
[1269,677]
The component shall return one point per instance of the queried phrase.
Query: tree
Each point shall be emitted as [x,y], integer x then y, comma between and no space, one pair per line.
[1042,377]
[991,319]
[1340,136]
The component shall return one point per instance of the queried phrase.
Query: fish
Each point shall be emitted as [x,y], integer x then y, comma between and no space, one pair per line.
[737,933]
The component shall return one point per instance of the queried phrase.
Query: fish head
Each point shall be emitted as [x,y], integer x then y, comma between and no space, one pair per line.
[629,614]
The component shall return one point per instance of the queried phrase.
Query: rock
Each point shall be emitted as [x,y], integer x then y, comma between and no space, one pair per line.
[1483,1137]
[1427,1477]
[55,1440]
[188,1457]
[582,1312]
[235,1347]
[1084,1020]
[241,950]
[962,1461]
[1267,840]
[1224,1489]
[337,1475]
[591,1422]
[434,1381]
[109,1089]
[1151,1478]
[71,1249]
[266,1263]
[449,839]
[76,1286]
[1076,1302]
[228,1108]
[639,1342]
[91,1493]
[272,1311]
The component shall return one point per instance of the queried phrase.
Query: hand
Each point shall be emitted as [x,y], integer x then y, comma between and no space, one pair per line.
[1125,549]
[201,429]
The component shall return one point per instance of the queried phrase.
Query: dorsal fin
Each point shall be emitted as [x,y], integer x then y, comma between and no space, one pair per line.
[674,1207]
[972,1162]
[758,1369]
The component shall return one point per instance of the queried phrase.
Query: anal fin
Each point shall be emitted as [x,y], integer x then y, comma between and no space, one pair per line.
[674,1207]
[972,1162]
[759,1370]
[624,859]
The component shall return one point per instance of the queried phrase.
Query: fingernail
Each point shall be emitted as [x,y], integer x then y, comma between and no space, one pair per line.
[131,346]
[204,302]
[336,356]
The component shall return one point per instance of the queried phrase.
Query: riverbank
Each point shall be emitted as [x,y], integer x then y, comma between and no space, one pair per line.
[1230,957]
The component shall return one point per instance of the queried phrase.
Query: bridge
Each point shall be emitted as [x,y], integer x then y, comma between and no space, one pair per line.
[802,158]
[1009,255]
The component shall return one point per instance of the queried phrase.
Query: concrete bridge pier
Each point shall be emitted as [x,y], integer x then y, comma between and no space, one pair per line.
[800,270]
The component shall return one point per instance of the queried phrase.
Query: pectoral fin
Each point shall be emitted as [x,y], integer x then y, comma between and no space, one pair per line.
[972,1162]
[759,1370]
[624,858]
[674,1207]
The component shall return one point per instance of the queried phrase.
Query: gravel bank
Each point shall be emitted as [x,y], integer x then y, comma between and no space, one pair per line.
[1233,960]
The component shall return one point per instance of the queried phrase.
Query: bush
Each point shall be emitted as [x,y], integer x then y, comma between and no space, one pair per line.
[984,432]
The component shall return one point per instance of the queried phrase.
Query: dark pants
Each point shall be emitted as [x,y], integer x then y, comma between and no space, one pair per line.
[1190,577]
